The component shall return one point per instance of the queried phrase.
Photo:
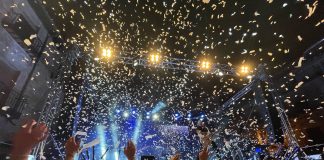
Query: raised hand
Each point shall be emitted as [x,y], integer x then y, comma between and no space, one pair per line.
[130,150]
[71,148]
[27,138]
[203,155]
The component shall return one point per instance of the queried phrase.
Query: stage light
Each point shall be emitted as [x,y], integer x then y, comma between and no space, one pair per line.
[125,114]
[133,112]
[106,53]
[155,117]
[189,115]
[147,117]
[205,65]
[155,58]
[118,111]
[244,69]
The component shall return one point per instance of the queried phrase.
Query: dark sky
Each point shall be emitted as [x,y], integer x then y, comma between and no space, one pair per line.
[271,32]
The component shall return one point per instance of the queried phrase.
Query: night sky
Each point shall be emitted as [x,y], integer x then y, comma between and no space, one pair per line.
[235,32]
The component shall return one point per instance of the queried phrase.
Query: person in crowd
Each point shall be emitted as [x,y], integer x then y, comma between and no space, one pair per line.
[27,137]
[32,133]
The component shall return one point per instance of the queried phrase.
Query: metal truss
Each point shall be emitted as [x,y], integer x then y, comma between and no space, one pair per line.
[239,95]
[55,98]
[175,64]
[253,86]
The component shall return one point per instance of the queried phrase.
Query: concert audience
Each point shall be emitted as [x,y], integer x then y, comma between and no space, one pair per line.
[32,133]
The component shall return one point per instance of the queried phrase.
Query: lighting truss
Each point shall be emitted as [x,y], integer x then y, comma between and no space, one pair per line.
[252,86]
[174,64]
[55,99]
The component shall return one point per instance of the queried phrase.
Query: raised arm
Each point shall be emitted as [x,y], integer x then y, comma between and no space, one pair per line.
[27,138]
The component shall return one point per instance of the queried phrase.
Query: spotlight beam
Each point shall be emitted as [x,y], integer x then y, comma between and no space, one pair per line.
[159,106]
[102,138]
[137,129]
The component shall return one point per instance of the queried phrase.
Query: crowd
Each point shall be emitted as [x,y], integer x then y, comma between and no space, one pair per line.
[32,133]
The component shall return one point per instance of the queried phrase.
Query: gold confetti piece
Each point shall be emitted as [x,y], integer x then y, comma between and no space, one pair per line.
[299,84]
[311,9]
[33,36]
[27,42]
[300,62]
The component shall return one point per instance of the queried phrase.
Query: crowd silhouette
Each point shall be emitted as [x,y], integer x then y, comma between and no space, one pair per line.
[32,133]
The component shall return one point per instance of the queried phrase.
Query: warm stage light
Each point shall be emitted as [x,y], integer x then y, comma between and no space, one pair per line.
[155,58]
[205,65]
[106,53]
[245,70]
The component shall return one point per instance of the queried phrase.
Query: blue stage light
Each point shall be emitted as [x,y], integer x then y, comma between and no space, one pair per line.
[125,114]
[155,117]
[258,149]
